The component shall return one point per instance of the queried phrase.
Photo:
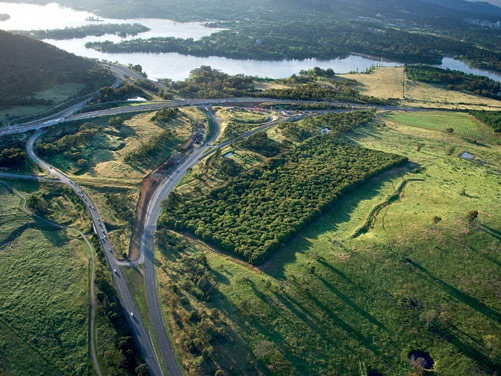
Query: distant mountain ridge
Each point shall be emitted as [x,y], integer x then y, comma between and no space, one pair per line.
[229,9]
[430,8]
[477,7]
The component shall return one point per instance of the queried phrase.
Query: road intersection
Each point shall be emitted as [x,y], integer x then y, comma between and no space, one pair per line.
[166,355]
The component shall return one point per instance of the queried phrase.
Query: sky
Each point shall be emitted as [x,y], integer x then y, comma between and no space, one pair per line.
[494,2]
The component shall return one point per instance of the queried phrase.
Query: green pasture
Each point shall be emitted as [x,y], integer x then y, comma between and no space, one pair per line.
[462,124]
[420,277]
[44,288]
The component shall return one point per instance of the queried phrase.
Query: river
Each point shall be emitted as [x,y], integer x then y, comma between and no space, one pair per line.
[173,65]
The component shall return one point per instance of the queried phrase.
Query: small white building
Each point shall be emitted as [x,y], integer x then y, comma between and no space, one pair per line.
[466,155]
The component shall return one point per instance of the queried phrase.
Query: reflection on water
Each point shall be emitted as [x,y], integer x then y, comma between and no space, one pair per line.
[177,67]
[453,64]
[54,16]
[174,65]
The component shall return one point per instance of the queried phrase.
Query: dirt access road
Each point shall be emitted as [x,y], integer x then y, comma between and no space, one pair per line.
[153,180]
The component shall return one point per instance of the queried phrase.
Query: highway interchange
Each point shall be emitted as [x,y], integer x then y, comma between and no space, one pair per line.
[165,358]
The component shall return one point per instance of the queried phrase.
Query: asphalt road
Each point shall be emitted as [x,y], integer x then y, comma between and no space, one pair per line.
[148,252]
[66,116]
[136,323]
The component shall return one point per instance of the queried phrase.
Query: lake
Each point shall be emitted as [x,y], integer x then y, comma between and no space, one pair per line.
[173,65]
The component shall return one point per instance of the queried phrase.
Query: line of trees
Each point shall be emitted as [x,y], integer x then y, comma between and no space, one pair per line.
[491,118]
[97,30]
[455,80]
[69,143]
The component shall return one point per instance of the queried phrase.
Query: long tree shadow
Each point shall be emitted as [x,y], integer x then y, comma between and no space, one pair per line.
[248,322]
[56,235]
[350,303]
[16,233]
[273,335]
[491,231]
[473,249]
[487,364]
[307,317]
[459,295]
[349,330]
[51,231]
[352,332]
[336,271]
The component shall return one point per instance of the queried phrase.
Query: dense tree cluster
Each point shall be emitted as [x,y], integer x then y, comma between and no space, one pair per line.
[11,157]
[148,150]
[455,80]
[165,115]
[70,143]
[257,211]
[108,94]
[205,82]
[260,143]
[492,118]
[97,30]
[29,66]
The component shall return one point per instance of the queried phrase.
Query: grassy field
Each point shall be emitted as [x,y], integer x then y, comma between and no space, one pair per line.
[461,124]
[57,94]
[235,121]
[421,277]
[386,82]
[44,289]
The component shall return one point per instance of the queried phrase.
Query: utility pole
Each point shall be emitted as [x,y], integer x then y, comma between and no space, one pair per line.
[403,83]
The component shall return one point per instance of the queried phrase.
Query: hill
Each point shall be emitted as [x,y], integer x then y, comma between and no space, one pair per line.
[438,10]
[29,66]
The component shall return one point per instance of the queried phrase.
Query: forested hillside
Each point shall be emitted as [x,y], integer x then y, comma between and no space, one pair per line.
[28,66]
